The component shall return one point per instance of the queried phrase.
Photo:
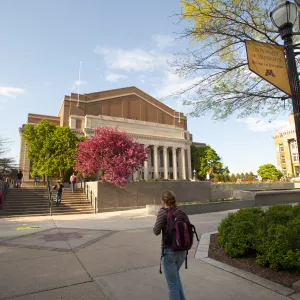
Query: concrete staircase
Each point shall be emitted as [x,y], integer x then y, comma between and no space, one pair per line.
[27,201]
[72,203]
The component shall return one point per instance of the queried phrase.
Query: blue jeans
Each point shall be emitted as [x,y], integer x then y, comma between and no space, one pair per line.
[58,197]
[172,262]
[73,185]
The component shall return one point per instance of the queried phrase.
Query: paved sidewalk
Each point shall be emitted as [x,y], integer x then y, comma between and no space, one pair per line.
[111,256]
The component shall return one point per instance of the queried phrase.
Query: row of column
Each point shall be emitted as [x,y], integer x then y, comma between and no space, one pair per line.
[184,174]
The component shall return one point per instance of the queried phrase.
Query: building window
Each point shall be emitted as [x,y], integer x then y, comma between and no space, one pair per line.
[293,145]
[283,159]
[295,157]
[281,149]
[284,171]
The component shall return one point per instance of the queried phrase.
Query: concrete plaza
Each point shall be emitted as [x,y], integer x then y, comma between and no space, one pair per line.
[112,256]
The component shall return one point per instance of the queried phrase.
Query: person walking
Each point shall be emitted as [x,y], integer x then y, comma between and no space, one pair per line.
[19,179]
[59,189]
[73,180]
[177,238]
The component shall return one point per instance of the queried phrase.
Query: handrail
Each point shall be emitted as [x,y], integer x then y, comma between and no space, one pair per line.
[50,196]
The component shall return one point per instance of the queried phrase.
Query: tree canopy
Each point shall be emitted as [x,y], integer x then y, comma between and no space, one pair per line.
[51,148]
[269,172]
[217,59]
[111,152]
[206,160]
[7,164]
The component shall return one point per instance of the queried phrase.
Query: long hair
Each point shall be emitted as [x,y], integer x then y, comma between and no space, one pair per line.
[169,198]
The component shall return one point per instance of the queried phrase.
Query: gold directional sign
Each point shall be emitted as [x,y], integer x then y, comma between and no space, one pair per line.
[268,62]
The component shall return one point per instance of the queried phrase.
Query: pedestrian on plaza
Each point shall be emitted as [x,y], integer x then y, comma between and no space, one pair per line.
[59,189]
[73,180]
[177,238]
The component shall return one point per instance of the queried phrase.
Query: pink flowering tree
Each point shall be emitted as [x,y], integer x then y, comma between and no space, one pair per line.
[111,152]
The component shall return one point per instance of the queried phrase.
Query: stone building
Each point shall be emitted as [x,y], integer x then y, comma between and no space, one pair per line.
[146,119]
[287,149]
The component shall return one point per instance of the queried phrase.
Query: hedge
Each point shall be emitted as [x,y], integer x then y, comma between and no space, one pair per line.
[273,234]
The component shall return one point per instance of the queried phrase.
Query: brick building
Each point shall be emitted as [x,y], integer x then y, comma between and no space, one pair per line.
[146,119]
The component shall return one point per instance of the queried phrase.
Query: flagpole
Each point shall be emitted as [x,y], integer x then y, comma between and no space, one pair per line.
[78,84]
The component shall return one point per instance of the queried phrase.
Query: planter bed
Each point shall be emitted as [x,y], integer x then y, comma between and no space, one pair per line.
[283,277]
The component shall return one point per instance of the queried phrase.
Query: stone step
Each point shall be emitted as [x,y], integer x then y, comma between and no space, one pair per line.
[8,206]
[45,213]
[72,212]
[26,212]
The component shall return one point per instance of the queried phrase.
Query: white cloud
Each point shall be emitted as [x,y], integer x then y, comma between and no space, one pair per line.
[137,60]
[162,41]
[260,125]
[10,91]
[113,77]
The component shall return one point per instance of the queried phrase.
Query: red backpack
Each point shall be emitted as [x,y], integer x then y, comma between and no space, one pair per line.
[180,232]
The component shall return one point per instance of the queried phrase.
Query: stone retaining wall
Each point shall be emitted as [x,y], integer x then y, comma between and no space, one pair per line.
[223,191]
[264,198]
[139,194]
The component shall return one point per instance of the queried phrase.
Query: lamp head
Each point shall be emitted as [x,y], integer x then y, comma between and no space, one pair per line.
[284,14]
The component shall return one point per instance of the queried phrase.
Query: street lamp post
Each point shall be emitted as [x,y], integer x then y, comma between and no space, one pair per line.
[284,17]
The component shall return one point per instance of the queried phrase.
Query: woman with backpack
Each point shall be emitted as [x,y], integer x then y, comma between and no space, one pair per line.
[177,239]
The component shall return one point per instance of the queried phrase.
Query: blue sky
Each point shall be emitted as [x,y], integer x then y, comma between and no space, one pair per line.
[120,43]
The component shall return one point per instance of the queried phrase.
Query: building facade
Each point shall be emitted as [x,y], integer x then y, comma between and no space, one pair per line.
[146,119]
[287,149]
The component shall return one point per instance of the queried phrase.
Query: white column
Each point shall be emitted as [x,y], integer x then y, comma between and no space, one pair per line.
[146,171]
[155,156]
[174,163]
[190,176]
[166,163]
[135,175]
[26,165]
[183,172]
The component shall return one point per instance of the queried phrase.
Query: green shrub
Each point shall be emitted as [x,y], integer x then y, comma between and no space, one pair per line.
[279,214]
[274,235]
[238,233]
[282,246]
[296,210]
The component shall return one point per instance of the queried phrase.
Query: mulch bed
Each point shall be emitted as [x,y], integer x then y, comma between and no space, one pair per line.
[286,278]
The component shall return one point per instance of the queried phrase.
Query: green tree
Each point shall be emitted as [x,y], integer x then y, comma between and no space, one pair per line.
[217,57]
[7,164]
[233,178]
[51,148]
[251,176]
[204,160]
[269,172]
[221,177]
[242,176]
[238,176]
[247,176]
[226,177]
[217,178]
